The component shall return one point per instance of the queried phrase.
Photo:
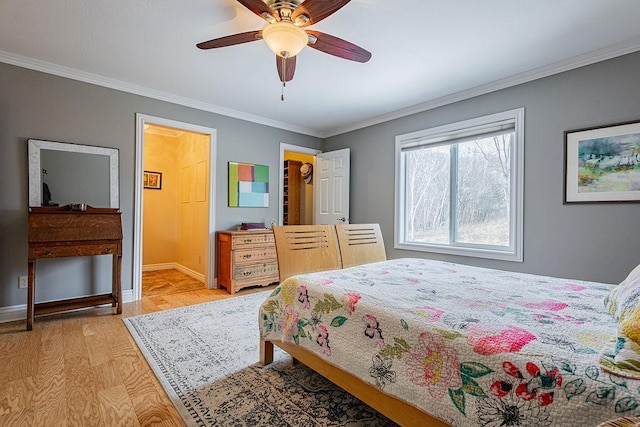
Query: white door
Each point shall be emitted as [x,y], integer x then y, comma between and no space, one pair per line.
[332,187]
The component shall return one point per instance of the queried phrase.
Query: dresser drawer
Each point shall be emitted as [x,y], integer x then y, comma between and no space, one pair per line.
[250,255]
[245,240]
[72,251]
[251,271]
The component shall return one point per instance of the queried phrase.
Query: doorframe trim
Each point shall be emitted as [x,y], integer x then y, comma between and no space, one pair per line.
[141,120]
[296,149]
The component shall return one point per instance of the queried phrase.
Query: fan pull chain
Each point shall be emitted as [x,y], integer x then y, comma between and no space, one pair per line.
[284,77]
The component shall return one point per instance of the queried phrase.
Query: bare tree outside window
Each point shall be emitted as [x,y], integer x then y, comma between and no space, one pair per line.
[483,191]
[474,175]
[428,196]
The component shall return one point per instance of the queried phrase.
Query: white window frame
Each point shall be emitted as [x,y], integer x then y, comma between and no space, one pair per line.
[451,132]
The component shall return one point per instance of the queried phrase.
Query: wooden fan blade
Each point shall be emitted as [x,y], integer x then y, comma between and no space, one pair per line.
[260,8]
[286,68]
[239,38]
[316,10]
[338,47]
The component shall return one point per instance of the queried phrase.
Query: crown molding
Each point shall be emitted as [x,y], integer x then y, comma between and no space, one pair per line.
[630,46]
[71,73]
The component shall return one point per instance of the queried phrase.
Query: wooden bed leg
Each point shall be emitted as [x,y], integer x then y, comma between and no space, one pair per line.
[266,352]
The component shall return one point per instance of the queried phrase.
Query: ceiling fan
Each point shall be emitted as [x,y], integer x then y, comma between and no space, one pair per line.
[284,34]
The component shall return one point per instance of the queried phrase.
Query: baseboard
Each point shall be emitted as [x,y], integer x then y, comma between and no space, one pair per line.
[174,265]
[161,266]
[15,312]
[19,312]
[127,296]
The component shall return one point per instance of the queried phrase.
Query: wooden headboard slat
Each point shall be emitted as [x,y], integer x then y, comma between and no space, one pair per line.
[360,244]
[306,249]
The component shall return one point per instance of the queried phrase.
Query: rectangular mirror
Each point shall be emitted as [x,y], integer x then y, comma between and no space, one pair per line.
[62,174]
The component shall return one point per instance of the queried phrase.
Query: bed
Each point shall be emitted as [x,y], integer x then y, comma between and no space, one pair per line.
[435,343]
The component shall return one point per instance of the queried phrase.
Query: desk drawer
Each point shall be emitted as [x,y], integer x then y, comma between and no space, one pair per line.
[70,251]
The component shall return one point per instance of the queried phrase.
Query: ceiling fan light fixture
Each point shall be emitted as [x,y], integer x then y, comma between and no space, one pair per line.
[268,17]
[284,38]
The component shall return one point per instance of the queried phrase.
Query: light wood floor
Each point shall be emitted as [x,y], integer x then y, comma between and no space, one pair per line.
[83,368]
[165,282]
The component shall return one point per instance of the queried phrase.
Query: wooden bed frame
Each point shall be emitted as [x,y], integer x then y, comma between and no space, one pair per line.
[311,248]
[305,249]
[360,244]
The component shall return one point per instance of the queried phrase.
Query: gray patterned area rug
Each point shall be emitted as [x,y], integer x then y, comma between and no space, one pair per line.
[206,357]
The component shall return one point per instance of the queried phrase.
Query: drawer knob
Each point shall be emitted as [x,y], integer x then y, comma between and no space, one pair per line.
[107,250]
[47,253]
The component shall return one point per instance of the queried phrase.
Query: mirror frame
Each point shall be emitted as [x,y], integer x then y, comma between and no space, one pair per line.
[35,167]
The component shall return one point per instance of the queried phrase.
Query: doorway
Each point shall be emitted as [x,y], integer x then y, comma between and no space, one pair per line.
[174,207]
[296,196]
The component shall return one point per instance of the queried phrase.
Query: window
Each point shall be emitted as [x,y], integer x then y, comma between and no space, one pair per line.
[459,188]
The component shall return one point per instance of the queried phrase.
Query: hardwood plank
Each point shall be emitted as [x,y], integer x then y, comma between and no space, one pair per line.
[98,347]
[21,418]
[16,396]
[163,303]
[14,368]
[116,407]
[119,340]
[150,402]
[75,346]
[106,375]
[49,400]
[82,403]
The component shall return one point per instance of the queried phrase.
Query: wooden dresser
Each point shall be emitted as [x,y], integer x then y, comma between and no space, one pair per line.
[56,232]
[246,258]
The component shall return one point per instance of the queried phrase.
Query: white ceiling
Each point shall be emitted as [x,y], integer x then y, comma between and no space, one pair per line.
[425,53]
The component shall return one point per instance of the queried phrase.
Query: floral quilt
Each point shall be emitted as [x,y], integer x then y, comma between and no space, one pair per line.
[468,345]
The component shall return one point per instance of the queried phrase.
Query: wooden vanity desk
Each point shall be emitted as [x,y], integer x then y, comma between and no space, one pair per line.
[57,232]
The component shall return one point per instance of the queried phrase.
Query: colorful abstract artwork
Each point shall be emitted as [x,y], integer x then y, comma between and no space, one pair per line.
[248,185]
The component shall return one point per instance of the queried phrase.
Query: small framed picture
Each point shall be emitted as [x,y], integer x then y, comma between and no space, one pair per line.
[152,180]
[602,164]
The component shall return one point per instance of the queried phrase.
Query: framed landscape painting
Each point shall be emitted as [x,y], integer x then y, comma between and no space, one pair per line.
[602,164]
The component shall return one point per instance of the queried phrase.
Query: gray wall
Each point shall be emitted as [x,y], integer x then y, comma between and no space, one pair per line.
[591,242]
[42,106]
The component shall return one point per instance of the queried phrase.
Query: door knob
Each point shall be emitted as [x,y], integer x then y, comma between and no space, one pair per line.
[343,219]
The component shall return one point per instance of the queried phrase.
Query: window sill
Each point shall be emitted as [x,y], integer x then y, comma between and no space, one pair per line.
[514,256]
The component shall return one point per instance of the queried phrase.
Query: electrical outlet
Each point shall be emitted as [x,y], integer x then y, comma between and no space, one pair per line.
[22,282]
